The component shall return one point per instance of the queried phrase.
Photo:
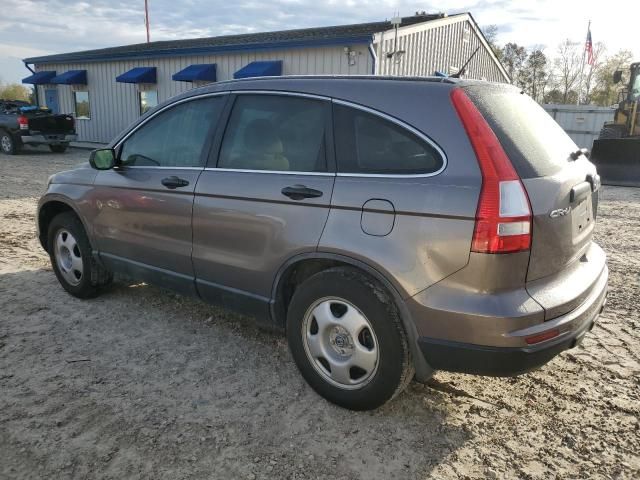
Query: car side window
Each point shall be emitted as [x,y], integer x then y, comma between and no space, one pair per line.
[275,132]
[369,144]
[175,137]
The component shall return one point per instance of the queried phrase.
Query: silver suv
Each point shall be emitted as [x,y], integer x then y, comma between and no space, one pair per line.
[391,226]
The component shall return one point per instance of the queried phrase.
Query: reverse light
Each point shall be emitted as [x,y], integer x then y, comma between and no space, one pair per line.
[23,122]
[503,216]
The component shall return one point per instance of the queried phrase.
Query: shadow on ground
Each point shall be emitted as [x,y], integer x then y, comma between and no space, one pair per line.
[143,382]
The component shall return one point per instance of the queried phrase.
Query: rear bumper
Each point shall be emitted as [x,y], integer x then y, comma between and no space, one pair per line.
[508,361]
[53,139]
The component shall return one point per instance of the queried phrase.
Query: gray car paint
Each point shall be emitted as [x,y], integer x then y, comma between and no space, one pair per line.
[448,293]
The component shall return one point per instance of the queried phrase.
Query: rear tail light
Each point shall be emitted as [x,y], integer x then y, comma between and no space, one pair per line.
[503,217]
[23,122]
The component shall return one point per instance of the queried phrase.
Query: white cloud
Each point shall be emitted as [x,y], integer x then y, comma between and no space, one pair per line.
[37,27]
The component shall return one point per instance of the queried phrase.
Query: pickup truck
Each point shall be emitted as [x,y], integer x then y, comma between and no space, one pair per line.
[25,124]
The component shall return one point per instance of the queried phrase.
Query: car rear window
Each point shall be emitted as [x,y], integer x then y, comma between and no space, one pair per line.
[535,143]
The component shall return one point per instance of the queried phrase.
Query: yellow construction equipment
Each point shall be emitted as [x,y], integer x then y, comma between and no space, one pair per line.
[617,151]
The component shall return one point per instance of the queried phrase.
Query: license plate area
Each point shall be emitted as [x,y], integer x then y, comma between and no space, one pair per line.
[582,217]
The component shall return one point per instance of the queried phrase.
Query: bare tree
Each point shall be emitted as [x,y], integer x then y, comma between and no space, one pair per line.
[567,69]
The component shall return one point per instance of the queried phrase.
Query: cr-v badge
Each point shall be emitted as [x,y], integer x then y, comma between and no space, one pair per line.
[560,212]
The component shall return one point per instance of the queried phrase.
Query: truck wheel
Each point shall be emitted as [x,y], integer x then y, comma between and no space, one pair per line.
[347,339]
[71,257]
[612,131]
[7,144]
[58,148]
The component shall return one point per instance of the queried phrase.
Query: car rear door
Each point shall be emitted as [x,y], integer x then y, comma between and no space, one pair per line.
[142,221]
[563,189]
[264,197]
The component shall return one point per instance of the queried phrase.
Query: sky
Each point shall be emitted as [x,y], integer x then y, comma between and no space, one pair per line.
[39,27]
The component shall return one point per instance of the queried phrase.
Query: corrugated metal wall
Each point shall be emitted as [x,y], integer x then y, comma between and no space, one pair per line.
[115,105]
[581,122]
[440,45]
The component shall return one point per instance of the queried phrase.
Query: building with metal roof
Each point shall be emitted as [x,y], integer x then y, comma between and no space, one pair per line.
[106,89]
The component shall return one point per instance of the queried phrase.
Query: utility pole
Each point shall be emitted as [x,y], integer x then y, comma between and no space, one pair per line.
[146,18]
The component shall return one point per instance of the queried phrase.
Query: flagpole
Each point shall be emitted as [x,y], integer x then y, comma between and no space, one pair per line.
[146,17]
[584,53]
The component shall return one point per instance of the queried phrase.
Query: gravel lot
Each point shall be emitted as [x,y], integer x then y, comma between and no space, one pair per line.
[143,383]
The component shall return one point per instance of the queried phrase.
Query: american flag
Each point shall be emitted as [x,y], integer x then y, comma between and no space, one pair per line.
[588,46]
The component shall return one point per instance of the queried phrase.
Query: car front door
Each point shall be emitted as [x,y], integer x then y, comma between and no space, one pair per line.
[143,207]
[266,200]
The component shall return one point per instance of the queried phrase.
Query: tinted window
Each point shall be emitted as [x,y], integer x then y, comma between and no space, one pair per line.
[367,143]
[536,145]
[175,137]
[275,132]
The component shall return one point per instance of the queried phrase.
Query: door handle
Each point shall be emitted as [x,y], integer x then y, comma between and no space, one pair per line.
[174,182]
[299,192]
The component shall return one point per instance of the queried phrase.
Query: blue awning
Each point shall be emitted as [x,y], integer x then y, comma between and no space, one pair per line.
[40,78]
[72,77]
[260,69]
[138,75]
[197,73]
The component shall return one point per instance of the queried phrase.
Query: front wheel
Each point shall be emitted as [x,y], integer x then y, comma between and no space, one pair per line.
[347,339]
[72,259]
[58,148]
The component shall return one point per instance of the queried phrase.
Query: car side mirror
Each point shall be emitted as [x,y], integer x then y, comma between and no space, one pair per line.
[617,76]
[103,159]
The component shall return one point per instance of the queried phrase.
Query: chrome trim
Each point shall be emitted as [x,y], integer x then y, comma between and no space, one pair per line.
[281,92]
[160,168]
[281,172]
[166,107]
[404,125]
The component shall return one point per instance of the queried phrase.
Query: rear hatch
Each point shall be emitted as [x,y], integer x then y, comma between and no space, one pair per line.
[47,123]
[563,191]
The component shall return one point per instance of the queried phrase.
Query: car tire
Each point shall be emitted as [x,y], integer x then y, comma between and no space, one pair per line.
[71,257]
[347,339]
[58,148]
[8,145]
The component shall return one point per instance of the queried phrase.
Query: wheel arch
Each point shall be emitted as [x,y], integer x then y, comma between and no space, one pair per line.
[50,207]
[299,268]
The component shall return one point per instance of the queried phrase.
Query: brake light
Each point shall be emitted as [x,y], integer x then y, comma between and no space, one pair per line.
[23,122]
[503,217]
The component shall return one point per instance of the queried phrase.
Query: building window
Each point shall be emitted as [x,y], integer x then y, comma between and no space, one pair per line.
[148,100]
[83,109]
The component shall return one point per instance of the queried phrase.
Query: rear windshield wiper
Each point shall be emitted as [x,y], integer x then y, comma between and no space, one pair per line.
[581,151]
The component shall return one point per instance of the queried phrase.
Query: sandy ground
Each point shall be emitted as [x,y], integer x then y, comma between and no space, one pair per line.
[142,383]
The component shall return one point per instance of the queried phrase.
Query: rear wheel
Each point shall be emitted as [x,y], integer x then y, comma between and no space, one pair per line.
[58,148]
[612,131]
[347,339]
[72,259]
[8,145]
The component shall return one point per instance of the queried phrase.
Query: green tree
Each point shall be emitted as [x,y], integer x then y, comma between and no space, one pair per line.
[604,91]
[490,32]
[513,58]
[15,91]
[533,76]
